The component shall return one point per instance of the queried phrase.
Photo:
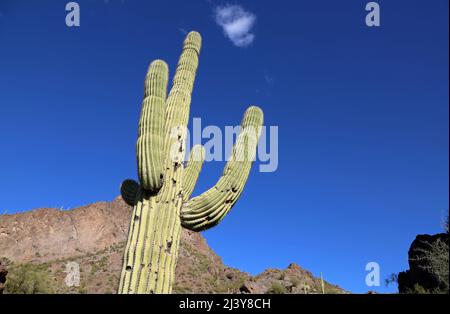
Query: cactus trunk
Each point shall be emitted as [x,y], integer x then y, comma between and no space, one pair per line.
[161,205]
[152,248]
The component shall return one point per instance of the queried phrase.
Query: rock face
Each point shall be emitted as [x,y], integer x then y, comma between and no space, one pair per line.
[94,237]
[47,233]
[418,272]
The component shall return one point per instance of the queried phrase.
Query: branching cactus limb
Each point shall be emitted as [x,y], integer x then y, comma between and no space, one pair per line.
[208,209]
[160,200]
[149,147]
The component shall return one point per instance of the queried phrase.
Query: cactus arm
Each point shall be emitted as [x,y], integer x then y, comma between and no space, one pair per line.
[208,209]
[154,236]
[129,190]
[149,146]
[179,99]
[192,170]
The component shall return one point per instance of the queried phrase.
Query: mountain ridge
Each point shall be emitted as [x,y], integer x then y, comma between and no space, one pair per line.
[94,237]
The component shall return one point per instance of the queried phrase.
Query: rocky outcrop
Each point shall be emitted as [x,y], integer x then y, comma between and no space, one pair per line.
[293,279]
[48,233]
[419,272]
[94,237]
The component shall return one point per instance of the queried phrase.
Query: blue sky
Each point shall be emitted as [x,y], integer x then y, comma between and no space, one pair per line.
[362,115]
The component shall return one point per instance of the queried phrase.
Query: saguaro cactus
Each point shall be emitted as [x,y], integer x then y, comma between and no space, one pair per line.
[161,199]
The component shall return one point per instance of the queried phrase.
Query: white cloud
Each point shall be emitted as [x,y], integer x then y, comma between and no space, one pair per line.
[236,24]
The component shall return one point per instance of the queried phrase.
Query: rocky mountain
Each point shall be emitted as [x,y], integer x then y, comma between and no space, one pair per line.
[94,237]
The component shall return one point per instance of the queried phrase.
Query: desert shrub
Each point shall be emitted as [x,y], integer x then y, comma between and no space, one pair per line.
[94,268]
[82,289]
[103,263]
[276,288]
[29,278]
[295,281]
[418,289]
[436,262]
[6,261]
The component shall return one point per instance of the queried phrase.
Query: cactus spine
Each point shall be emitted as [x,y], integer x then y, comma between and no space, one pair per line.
[161,204]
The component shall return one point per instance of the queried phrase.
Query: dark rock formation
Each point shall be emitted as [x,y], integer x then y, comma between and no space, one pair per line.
[419,272]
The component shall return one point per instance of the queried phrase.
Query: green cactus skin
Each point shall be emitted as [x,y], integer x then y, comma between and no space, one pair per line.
[150,141]
[208,209]
[161,205]
[192,170]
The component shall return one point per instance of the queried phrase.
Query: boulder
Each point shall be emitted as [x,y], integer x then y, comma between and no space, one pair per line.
[418,272]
